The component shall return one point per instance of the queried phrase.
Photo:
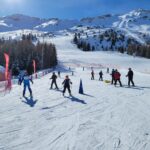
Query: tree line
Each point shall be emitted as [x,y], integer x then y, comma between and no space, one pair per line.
[139,50]
[81,44]
[23,52]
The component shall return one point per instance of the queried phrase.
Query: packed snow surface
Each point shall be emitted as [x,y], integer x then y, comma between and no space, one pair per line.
[104,118]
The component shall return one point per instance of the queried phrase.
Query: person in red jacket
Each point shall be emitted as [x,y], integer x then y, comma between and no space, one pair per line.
[117,76]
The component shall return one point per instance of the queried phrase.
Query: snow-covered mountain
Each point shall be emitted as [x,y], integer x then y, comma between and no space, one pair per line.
[18,21]
[56,25]
[100,21]
[115,32]
[106,32]
[136,20]
[132,19]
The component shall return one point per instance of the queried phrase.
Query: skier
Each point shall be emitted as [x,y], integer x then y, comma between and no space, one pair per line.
[130,77]
[117,76]
[26,81]
[72,73]
[66,84]
[101,76]
[59,74]
[112,75]
[54,77]
[19,79]
[92,75]
[107,70]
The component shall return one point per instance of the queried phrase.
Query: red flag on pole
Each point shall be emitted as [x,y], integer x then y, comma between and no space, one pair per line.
[34,66]
[6,65]
[7,73]
[8,83]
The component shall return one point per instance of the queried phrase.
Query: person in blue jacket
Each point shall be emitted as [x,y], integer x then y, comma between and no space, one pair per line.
[26,81]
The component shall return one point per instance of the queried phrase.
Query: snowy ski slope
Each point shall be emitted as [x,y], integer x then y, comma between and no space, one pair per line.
[105,118]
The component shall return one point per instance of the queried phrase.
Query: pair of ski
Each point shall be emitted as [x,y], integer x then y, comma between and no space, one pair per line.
[70,96]
[31,96]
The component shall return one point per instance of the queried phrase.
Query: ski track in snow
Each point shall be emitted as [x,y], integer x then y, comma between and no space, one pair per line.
[105,118]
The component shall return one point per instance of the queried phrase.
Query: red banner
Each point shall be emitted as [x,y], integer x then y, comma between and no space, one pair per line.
[6,65]
[8,83]
[34,66]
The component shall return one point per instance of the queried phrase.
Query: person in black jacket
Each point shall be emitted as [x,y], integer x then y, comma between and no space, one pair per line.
[112,75]
[66,84]
[100,76]
[107,70]
[54,77]
[92,75]
[130,77]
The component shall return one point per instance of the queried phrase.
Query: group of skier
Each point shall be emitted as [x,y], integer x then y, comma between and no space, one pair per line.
[66,83]
[100,75]
[115,75]
[26,79]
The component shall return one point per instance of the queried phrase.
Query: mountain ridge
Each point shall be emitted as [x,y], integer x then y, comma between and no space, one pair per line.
[21,21]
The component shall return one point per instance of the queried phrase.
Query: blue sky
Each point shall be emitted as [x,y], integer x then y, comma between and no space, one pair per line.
[72,9]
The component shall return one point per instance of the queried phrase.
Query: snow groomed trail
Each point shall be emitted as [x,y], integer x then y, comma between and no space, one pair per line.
[104,118]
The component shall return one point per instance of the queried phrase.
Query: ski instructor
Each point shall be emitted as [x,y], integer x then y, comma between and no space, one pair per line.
[130,77]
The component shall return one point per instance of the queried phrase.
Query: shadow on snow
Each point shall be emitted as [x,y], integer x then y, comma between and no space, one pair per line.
[75,99]
[57,90]
[136,87]
[30,101]
[87,95]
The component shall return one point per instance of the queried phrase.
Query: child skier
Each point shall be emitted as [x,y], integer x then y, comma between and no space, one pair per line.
[117,76]
[92,75]
[26,81]
[107,70]
[100,76]
[54,77]
[66,84]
